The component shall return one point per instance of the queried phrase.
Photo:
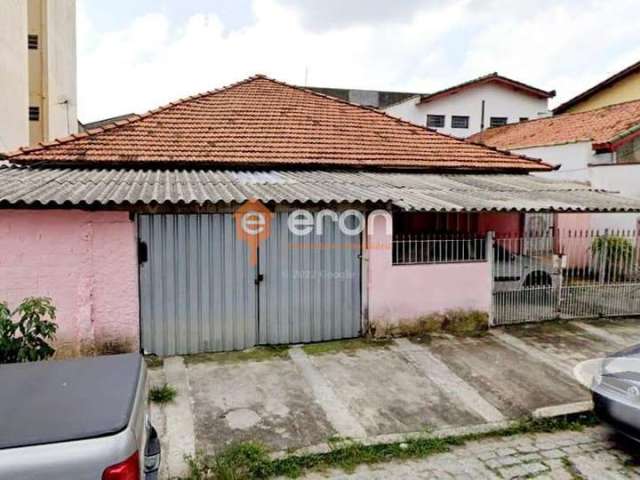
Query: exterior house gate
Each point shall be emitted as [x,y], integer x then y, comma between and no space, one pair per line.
[200,291]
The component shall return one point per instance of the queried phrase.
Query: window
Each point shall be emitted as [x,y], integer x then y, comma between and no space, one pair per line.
[459,121]
[32,42]
[523,119]
[497,121]
[435,121]
[34,114]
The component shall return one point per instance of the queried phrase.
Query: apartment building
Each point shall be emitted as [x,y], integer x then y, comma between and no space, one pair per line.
[38,93]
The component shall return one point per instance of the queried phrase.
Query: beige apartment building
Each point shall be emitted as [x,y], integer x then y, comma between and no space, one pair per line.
[38,92]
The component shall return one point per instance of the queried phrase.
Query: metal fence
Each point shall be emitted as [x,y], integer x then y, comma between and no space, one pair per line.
[569,274]
[430,249]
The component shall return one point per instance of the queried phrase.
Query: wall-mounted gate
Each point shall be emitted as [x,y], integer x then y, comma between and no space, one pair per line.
[572,274]
[200,292]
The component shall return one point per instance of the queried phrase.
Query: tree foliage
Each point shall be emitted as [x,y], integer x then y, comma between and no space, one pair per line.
[26,332]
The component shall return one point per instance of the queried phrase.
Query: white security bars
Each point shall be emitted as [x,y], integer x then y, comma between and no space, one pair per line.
[429,249]
[572,274]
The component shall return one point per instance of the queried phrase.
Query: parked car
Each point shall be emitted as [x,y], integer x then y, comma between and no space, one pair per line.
[616,392]
[82,419]
[514,271]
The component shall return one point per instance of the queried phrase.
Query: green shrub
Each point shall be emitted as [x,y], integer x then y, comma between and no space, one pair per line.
[164,394]
[25,333]
[612,257]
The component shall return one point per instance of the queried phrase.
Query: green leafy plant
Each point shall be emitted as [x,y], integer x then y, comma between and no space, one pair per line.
[613,256]
[163,394]
[26,332]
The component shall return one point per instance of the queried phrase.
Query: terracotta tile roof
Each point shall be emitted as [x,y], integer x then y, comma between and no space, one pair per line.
[603,127]
[630,70]
[263,122]
[490,78]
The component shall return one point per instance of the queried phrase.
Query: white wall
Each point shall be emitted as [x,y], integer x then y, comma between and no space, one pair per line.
[574,159]
[14,85]
[577,164]
[623,178]
[61,81]
[500,101]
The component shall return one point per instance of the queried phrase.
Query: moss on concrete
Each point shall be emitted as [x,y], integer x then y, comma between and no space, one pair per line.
[257,354]
[345,346]
[461,323]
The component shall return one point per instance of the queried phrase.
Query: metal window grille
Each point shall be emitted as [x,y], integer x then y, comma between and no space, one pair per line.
[32,42]
[428,249]
[34,114]
[459,121]
[497,121]
[435,121]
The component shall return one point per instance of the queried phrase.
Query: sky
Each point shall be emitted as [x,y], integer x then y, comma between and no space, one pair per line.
[136,55]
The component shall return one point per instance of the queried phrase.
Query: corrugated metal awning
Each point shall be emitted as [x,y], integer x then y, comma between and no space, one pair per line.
[39,186]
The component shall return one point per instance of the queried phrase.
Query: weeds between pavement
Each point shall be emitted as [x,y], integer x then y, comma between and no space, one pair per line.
[256,354]
[251,460]
[163,394]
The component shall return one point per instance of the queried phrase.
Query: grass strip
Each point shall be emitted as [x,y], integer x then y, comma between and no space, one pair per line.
[251,460]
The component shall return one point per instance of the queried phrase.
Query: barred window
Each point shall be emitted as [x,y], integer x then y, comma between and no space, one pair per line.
[32,42]
[459,121]
[435,121]
[34,114]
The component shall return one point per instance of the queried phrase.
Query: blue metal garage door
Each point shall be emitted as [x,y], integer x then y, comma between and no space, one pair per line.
[199,291]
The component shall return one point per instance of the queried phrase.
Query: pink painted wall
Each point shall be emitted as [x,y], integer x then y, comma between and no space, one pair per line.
[86,262]
[403,293]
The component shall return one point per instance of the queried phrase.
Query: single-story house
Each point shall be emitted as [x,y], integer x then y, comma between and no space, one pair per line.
[599,147]
[133,228]
[464,109]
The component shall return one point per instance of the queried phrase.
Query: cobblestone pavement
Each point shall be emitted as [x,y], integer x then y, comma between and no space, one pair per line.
[593,454]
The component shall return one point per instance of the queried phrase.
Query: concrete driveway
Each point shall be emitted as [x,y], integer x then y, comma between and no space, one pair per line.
[376,391]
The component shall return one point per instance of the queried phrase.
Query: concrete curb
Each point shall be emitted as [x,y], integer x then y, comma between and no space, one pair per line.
[399,437]
[565,409]
[179,419]
[546,412]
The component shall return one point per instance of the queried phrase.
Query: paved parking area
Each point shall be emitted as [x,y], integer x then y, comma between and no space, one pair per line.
[304,396]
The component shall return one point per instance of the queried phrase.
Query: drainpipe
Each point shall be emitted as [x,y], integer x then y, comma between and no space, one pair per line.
[482,117]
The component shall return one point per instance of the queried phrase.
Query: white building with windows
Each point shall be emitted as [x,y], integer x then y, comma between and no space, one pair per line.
[468,108]
[38,98]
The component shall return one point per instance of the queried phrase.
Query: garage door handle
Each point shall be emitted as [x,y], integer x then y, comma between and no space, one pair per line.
[143,253]
[259,278]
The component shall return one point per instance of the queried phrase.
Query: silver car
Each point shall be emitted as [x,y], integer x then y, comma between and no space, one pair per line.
[79,419]
[513,271]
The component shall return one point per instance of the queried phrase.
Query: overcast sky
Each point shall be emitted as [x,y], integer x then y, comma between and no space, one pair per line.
[136,55]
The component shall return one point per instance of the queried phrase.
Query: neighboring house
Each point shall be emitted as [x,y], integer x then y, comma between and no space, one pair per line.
[366,98]
[133,229]
[620,87]
[468,108]
[38,97]
[598,147]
